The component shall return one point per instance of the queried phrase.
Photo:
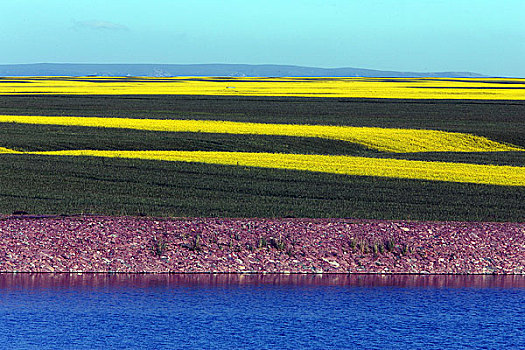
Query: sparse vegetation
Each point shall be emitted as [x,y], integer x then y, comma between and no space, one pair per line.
[159,246]
[262,242]
[406,249]
[365,245]
[195,244]
[277,243]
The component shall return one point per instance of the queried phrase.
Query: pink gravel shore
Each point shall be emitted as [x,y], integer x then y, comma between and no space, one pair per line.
[190,245]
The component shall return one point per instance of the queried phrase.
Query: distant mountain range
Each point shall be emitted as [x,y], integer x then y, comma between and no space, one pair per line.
[216,70]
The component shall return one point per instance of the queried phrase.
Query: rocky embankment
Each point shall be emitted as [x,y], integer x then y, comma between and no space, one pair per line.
[136,244]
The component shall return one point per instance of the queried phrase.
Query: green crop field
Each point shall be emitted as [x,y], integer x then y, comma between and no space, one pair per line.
[39,184]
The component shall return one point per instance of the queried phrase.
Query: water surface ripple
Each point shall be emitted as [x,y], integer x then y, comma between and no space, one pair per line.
[68,311]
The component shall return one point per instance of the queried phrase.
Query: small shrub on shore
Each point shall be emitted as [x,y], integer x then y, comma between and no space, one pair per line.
[159,246]
[390,245]
[406,249]
[278,244]
[384,246]
[272,242]
[262,242]
[195,245]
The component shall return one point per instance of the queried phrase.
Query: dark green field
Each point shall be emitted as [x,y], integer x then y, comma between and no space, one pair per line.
[69,185]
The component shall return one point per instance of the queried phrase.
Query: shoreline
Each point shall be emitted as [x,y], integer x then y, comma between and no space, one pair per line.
[138,245]
[147,280]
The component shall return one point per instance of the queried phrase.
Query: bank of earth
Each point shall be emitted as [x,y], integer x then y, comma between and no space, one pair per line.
[218,245]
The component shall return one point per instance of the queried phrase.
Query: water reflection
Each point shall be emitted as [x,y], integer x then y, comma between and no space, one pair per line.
[66,280]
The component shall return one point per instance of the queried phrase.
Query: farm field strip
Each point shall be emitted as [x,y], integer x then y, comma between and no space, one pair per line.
[355,87]
[7,150]
[394,140]
[348,165]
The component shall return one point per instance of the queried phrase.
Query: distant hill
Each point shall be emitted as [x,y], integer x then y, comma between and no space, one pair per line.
[223,70]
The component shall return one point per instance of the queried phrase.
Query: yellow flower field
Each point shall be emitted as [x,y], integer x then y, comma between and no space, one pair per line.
[382,139]
[400,88]
[7,150]
[348,165]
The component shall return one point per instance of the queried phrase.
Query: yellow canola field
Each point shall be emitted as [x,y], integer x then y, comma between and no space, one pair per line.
[399,88]
[7,150]
[382,139]
[348,165]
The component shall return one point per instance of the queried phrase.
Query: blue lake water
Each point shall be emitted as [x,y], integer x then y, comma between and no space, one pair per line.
[63,311]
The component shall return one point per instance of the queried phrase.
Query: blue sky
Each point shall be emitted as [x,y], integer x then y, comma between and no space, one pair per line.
[481,36]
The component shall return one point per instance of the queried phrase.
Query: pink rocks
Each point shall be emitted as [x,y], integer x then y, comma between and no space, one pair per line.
[134,244]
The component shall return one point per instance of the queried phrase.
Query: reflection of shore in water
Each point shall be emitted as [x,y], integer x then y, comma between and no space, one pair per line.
[75,281]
